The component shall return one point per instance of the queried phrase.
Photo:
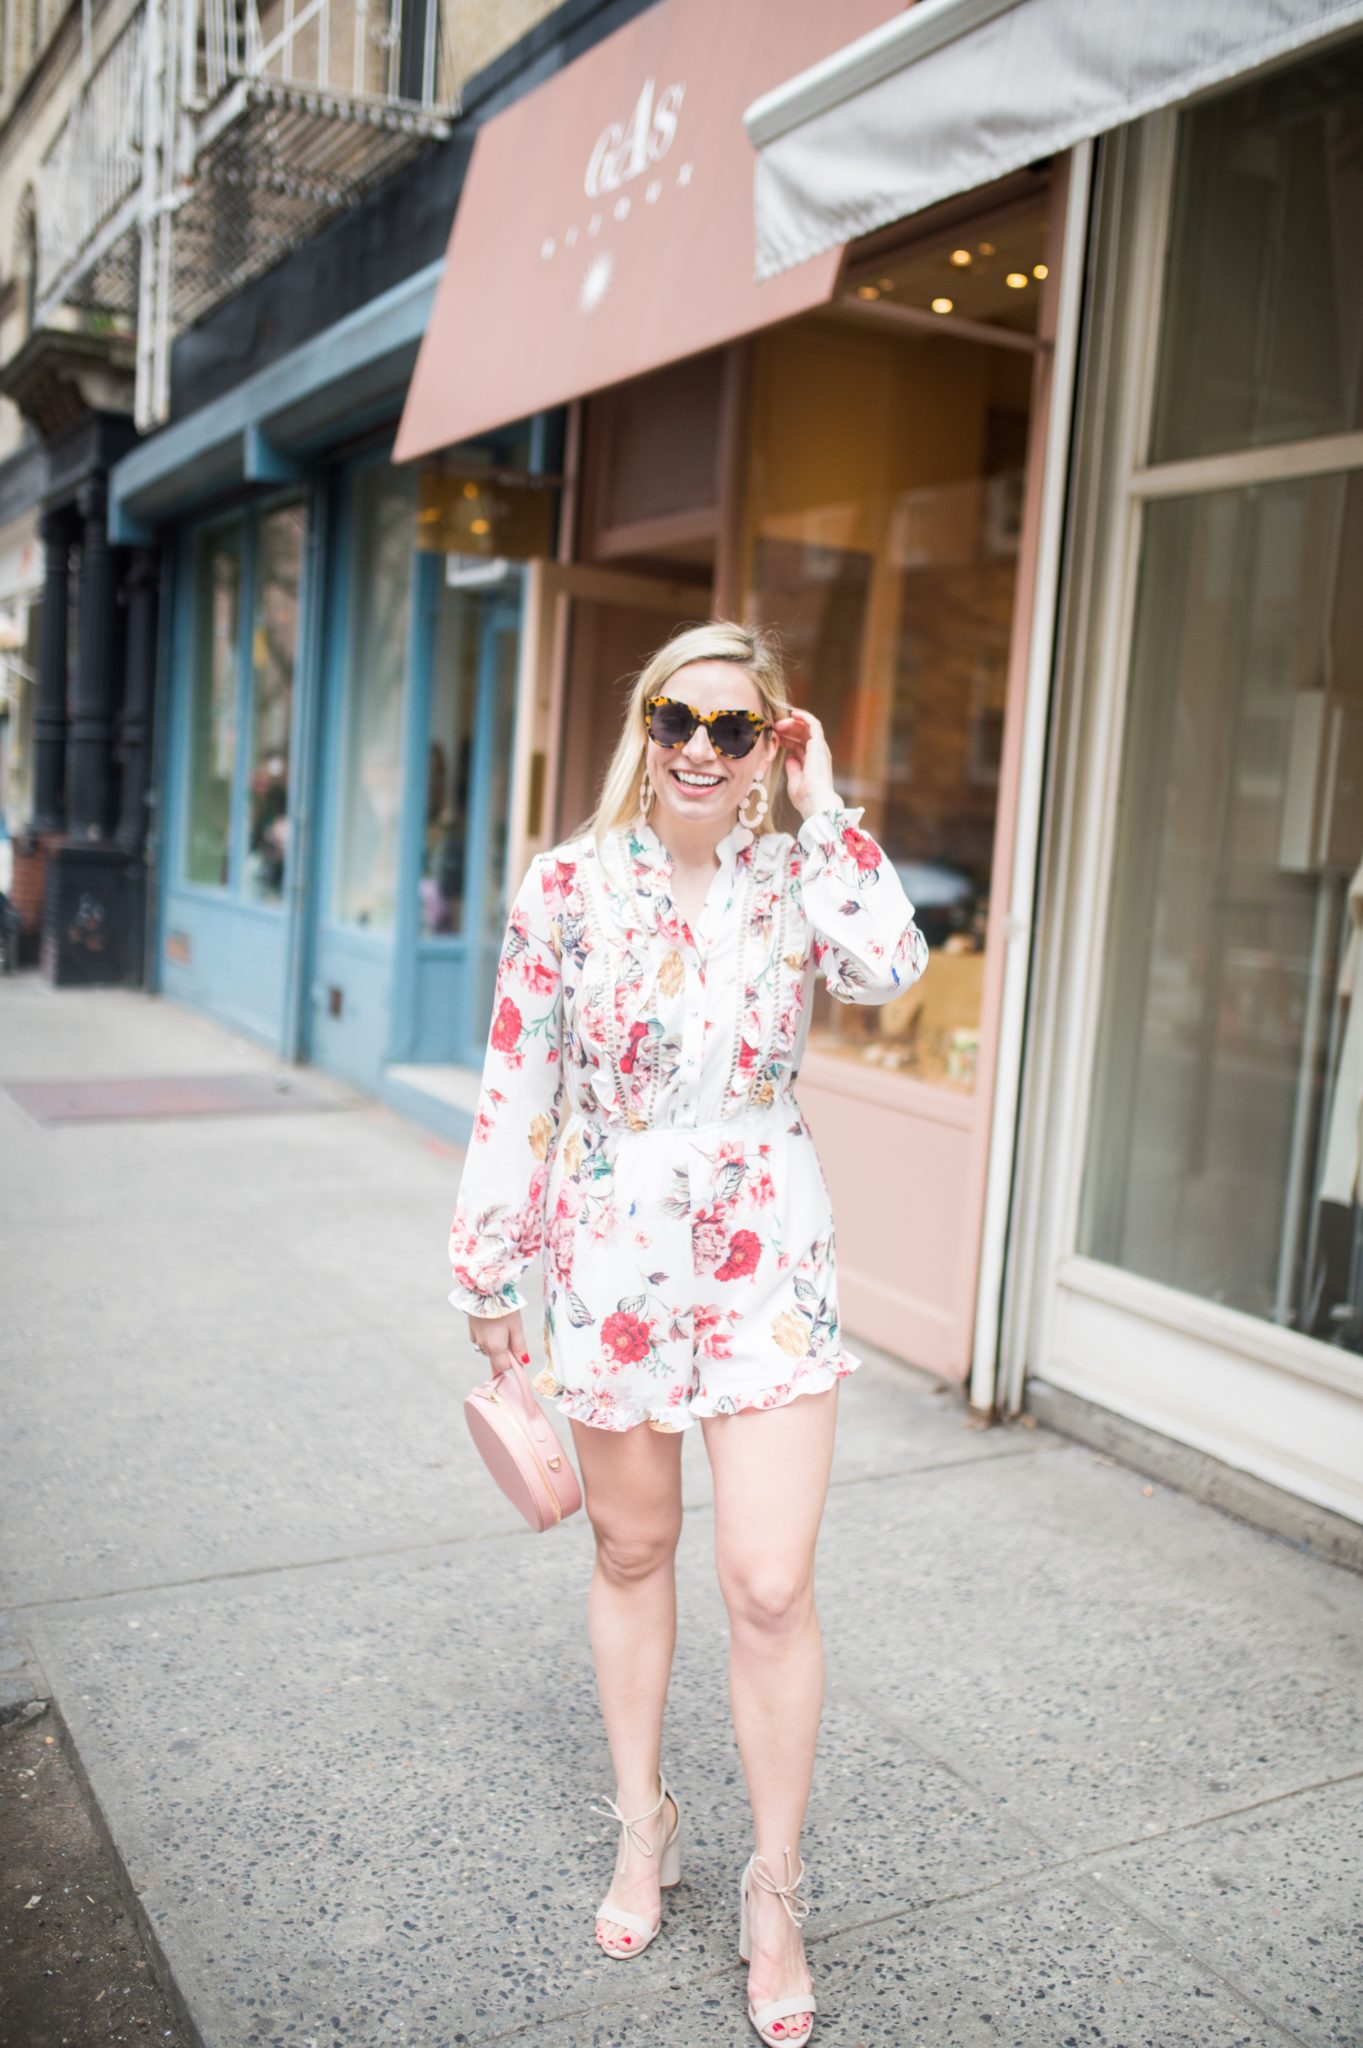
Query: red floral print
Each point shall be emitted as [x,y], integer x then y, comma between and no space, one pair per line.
[862,848]
[506,1026]
[745,1254]
[626,1337]
[713,1329]
[540,976]
[628,1057]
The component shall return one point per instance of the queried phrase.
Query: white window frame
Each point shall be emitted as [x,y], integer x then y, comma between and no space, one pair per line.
[1259,1396]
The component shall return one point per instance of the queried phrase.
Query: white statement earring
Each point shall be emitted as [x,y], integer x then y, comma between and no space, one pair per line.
[758,789]
[645,794]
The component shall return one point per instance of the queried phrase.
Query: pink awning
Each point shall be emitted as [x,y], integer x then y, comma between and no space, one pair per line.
[606,221]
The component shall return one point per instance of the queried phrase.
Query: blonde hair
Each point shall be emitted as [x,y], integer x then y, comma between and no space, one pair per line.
[756,652]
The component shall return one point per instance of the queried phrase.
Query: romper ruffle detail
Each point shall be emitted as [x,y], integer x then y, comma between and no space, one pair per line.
[583,1405]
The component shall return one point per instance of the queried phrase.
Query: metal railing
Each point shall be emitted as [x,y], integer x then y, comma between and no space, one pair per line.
[90,178]
[203,145]
[331,46]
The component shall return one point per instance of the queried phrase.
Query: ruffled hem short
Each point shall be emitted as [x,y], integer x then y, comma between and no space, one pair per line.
[589,1405]
[690,1270]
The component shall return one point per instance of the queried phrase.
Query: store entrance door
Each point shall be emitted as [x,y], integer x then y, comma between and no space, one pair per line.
[464,706]
[356,911]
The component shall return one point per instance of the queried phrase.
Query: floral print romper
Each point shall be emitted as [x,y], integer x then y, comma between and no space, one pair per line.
[637,1126]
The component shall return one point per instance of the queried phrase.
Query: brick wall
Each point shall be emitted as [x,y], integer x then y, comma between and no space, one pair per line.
[475,31]
[26,887]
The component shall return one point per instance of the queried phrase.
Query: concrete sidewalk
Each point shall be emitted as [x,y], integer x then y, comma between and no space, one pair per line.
[1092,1757]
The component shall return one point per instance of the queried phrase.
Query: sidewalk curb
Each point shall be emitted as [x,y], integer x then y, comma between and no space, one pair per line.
[22,1686]
[1241,1495]
[175,1998]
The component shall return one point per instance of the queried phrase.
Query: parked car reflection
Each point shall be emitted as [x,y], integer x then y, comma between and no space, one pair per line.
[945,899]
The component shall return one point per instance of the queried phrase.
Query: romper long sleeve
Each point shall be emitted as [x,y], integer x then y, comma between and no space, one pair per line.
[865,939]
[498,1226]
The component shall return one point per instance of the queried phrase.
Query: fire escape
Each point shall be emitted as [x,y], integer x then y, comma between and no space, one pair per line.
[211,138]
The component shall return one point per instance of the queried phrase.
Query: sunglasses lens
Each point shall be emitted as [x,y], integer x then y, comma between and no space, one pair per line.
[734,736]
[671,724]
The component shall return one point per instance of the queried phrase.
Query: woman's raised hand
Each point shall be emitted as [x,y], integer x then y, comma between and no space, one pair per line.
[809,764]
[500,1339]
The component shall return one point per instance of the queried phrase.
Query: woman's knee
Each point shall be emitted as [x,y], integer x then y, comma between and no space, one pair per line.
[627,1554]
[768,1598]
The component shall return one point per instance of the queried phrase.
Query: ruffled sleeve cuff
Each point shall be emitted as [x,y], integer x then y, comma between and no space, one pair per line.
[506,1301]
[865,939]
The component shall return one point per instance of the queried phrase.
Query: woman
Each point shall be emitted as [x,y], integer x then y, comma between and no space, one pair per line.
[637,1126]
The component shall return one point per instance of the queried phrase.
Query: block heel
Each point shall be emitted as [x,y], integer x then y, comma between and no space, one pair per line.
[669,1864]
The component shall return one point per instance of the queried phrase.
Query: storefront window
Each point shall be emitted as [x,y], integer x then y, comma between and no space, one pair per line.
[1262,325]
[487,912]
[449,763]
[1227,1112]
[377,646]
[274,650]
[213,714]
[473,706]
[1222,1076]
[885,498]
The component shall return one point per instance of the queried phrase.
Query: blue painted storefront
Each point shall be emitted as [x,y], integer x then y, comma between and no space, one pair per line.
[353,960]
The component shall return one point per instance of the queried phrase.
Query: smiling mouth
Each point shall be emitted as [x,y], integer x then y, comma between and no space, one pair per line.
[683,776]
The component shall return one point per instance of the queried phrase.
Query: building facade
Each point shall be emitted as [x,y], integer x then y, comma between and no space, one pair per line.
[337,696]
[1043,468]
[157,158]
[73,741]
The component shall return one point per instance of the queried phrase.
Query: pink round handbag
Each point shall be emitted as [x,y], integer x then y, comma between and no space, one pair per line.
[515,1441]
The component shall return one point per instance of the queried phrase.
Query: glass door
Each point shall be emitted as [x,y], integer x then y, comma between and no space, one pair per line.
[365,723]
[471,659]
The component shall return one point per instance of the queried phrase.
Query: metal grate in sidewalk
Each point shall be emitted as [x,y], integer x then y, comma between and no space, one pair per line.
[147,1096]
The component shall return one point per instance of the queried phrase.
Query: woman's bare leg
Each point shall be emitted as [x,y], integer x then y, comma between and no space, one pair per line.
[771,1469]
[631,1487]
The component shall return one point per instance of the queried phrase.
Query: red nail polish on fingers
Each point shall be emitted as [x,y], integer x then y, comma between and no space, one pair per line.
[525,1358]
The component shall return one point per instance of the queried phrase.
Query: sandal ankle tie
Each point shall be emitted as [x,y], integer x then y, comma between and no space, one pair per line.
[610,1811]
[796,1907]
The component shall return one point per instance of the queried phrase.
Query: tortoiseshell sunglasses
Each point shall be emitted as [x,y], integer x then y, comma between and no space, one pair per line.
[732,733]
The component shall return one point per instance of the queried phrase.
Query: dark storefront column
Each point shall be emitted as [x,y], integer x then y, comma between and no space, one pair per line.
[89,759]
[134,748]
[94,884]
[49,713]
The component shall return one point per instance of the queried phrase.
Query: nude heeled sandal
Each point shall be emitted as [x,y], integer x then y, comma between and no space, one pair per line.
[772,2009]
[669,1871]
